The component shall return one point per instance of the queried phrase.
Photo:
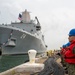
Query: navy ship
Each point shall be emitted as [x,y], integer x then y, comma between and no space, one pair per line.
[17,38]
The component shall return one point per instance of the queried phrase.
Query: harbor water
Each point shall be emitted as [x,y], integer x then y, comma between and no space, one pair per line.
[7,61]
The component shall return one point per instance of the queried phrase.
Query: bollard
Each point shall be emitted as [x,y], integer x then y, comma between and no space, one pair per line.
[32,54]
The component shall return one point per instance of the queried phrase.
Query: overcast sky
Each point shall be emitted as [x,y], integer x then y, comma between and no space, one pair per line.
[56,17]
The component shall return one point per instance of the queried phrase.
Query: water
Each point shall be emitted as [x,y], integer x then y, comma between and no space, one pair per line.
[10,61]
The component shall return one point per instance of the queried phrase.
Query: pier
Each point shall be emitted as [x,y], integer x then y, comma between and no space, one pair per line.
[42,63]
[13,71]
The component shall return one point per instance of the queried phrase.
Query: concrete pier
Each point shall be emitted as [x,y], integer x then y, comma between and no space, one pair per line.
[14,71]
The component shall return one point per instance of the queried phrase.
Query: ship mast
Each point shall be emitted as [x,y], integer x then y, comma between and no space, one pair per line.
[25,17]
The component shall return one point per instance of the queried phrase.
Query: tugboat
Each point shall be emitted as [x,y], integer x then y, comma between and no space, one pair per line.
[17,38]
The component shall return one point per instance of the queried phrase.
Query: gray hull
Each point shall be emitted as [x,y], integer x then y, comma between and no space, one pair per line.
[14,41]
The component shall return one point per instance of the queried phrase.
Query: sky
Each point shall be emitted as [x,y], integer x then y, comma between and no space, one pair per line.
[57,17]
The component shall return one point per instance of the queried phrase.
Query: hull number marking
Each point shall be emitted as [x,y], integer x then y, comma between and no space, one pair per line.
[23,36]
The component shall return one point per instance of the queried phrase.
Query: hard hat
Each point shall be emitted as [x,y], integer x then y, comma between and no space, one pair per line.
[68,44]
[72,32]
[64,46]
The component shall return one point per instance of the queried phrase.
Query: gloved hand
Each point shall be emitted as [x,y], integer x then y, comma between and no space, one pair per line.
[58,54]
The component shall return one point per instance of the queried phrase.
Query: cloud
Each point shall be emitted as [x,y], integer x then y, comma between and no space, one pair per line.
[59,22]
[56,17]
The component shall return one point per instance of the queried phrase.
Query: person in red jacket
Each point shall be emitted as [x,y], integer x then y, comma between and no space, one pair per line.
[69,54]
[63,49]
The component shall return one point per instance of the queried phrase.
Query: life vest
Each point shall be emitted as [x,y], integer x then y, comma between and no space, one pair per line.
[69,56]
